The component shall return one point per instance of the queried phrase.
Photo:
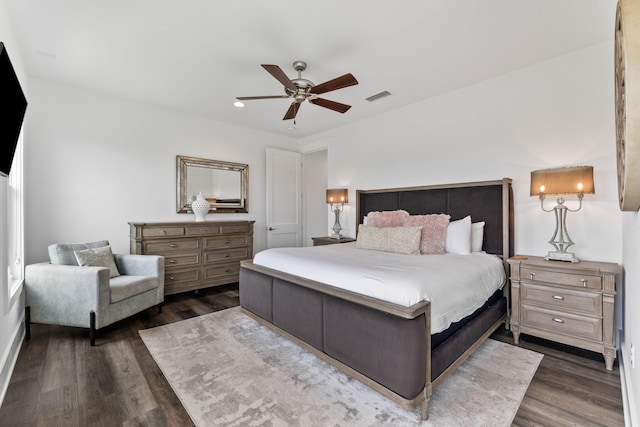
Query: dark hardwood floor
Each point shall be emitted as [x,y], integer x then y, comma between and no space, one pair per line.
[59,380]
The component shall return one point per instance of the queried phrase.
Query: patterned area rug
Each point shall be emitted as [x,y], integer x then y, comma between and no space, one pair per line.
[228,370]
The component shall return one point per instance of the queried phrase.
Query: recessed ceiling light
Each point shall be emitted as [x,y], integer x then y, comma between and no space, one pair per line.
[238,104]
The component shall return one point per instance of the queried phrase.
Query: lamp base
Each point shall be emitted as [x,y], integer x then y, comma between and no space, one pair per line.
[336,236]
[561,256]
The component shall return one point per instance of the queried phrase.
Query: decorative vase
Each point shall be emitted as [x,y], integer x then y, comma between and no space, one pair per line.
[200,207]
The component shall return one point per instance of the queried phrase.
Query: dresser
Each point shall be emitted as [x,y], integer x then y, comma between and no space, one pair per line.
[197,254]
[570,303]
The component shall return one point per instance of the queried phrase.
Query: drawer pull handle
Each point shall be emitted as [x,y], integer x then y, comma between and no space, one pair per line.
[532,275]
[227,241]
[557,320]
[173,245]
[584,282]
[164,232]
[172,277]
[558,297]
[172,261]
[227,255]
[227,270]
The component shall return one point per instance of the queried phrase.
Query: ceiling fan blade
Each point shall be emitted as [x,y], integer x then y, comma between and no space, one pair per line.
[247,98]
[292,111]
[277,72]
[337,83]
[332,105]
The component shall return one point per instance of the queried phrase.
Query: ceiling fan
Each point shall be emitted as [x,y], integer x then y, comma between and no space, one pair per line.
[302,89]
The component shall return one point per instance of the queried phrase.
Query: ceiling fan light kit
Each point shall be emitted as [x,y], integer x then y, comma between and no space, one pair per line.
[300,90]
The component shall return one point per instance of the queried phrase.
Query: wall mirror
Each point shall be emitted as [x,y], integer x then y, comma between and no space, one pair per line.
[223,184]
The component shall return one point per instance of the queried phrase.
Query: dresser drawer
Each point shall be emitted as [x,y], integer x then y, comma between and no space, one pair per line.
[234,228]
[564,323]
[562,278]
[216,271]
[204,230]
[585,302]
[175,277]
[163,232]
[230,241]
[181,260]
[161,247]
[228,255]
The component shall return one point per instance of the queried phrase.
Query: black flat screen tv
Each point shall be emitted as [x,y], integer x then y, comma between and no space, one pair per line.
[13,105]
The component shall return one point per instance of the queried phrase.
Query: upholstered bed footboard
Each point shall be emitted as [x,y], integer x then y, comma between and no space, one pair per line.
[390,350]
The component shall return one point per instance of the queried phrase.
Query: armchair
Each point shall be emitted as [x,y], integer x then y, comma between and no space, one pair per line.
[61,292]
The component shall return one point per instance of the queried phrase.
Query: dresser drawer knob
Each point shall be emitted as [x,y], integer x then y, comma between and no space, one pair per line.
[164,232]
[558,297]
[227,255]
[227,270]
[584,282]
[173,245]
[557,320]
[172,277]
[172,261]
[227,241]
[532,275]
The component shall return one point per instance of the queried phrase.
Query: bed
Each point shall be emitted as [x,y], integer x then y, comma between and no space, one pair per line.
[390,346]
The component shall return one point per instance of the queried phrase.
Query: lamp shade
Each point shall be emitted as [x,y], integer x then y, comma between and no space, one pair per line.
[562,181]
[337,195]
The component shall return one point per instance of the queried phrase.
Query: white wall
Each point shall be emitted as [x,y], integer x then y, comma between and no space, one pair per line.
[556,113]
[11,316]
[95,163]
[631,314]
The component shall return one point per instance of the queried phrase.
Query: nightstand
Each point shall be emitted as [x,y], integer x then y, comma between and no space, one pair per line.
[570,303]
[320,241]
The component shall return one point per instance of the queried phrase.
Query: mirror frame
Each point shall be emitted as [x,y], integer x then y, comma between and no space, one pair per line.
[182,165]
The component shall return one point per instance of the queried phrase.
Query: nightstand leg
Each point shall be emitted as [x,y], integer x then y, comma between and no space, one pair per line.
[516,334]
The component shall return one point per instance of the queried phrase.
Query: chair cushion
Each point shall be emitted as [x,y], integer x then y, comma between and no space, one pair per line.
[98,257]
[123,287]
[62,253]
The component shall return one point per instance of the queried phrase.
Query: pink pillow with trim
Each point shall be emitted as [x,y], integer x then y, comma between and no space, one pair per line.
[434,232]
[387,218]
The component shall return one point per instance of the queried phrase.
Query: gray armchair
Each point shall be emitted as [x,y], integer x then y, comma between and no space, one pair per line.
[61,292]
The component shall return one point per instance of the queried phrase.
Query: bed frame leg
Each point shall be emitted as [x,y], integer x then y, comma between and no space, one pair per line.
[424,410]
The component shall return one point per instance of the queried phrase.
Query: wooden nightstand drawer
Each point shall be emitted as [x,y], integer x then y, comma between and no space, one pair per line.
[562,278]
[583,302]
[559,322]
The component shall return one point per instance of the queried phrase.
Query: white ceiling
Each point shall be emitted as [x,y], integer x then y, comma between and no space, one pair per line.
[196,56]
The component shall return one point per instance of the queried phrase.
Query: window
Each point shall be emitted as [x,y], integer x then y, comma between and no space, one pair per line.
[15,228]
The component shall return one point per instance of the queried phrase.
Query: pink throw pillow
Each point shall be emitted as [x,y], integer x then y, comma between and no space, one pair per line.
[434,232]
[387,218]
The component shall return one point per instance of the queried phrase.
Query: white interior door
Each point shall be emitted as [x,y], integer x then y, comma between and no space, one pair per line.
[284,177]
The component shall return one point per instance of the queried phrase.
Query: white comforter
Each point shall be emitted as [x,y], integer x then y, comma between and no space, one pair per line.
[456,285]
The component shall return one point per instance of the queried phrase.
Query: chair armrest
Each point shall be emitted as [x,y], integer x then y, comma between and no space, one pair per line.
[140,265]
[64,294]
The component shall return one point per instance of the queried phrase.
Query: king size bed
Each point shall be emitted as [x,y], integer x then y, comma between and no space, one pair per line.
[371,322]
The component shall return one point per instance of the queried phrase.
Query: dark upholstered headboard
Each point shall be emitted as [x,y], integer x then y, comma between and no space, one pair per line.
[489,201]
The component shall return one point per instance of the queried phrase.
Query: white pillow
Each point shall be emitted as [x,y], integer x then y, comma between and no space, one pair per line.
[459,237]
[477,235]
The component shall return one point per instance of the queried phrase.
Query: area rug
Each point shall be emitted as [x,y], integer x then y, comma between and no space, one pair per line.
[228,370]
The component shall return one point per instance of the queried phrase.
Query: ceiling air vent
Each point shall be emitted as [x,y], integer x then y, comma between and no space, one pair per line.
[378,96]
